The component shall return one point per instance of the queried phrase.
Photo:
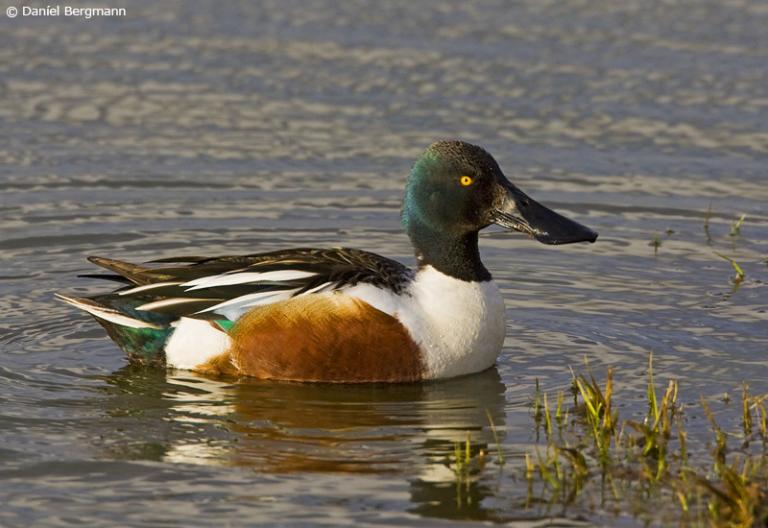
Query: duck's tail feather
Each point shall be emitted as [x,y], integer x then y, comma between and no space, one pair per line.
[173,260]
[103,276]
[106,313]
[143,341]
[133,272]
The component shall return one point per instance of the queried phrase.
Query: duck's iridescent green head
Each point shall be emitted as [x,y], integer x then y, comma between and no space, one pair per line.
[456,189]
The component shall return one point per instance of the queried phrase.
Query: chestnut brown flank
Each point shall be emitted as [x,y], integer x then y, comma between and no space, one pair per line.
[332,338]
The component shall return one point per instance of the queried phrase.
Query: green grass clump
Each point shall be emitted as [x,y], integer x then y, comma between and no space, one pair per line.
[739,276]
[656,428]
[598,413]
[467,461]
[499,453]
[587,457]
[736,225]
[641,461]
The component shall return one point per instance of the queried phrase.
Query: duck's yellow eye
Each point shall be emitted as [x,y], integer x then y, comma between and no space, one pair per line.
[466,181]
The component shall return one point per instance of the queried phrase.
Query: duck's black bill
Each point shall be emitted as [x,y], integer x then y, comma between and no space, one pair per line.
[519,212]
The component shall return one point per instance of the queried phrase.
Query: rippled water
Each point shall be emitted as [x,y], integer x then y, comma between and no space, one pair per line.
[190,128]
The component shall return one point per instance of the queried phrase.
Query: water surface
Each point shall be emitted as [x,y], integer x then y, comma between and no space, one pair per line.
[190,128]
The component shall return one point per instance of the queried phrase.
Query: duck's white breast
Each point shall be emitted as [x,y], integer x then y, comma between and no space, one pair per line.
[458,325]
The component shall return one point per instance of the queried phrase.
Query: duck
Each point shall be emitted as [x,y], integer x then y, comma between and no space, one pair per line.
[339,315]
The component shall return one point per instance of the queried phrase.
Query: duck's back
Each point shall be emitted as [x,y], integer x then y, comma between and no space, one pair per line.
[216,314]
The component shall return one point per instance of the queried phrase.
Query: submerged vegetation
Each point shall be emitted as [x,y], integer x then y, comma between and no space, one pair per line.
[649,458]
[735,231]
[736,225]
[655,243]
[707,217]
[739,276]
[589,458]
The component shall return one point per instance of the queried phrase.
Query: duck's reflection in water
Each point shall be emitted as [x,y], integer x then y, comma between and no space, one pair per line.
[406,429]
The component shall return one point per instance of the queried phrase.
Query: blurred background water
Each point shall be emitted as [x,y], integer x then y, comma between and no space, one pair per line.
[225,128]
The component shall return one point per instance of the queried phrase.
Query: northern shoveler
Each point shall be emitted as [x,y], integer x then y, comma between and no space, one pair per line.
[340,315]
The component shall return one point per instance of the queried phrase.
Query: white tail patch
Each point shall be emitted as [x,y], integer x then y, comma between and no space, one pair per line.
[108,314]
[227,279]
[148,287]
[193,342]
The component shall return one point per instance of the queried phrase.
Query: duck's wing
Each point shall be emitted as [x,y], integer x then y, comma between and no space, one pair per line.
[226,287]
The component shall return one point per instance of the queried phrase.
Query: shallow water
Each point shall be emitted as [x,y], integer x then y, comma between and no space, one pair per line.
[190,128]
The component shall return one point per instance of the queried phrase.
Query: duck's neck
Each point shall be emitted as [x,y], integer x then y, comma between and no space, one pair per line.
[456,255]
